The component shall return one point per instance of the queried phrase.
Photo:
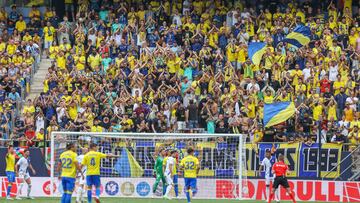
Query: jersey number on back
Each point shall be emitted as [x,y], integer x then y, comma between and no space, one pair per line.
[92,162]
[66,162]
[189,165]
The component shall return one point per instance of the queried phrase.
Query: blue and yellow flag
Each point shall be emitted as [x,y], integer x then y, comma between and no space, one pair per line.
[256,50]
[279,112]
[127,166]
[299,37]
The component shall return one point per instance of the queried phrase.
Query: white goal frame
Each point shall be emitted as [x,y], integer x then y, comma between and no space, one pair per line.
[150,136]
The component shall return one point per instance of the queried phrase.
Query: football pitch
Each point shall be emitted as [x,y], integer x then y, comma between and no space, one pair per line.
[133,200]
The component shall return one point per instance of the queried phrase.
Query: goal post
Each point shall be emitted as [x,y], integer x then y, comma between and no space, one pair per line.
[222,160]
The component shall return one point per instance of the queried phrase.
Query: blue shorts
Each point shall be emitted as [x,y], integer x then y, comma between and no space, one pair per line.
[10,176]
[190,183]
[68,184]
[93,180]
[175,179]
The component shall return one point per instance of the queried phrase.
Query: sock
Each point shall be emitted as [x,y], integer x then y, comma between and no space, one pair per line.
[276,195]
[97,192]
[176,188]
[267,191]
[29,190]
[19,189]
[67,198]
[155,186]
[194,191]
[63,198]
[188,195]
[9,189]
[79,194]
[164,189]
[89,196]
[168,190]
[292,197]
[271,197]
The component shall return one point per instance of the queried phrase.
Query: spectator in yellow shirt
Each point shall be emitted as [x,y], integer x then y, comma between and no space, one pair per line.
[34,13]
[20,25]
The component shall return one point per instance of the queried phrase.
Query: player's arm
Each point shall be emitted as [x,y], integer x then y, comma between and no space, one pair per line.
[197,163]
[32,169]
[260,169]
[287,171]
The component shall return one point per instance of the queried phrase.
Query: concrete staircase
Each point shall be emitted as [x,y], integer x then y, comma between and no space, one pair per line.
[37,85]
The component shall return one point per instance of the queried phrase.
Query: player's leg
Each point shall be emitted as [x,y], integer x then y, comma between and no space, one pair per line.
[64,183]
[70,189]
[274,187]
[193,183]
[80,189]
[268,189]
[286,185]
[89,184]
[169,182]
[11,180]
[187,189]
[276,194]
[28,182]
[163,180]
[21,184]
[97,184]
[157,181]
[176,185]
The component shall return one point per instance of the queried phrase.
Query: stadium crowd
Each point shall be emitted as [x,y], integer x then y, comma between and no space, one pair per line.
[19,59]
[182,66]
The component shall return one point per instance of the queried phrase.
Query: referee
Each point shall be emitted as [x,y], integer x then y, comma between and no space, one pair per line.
[280,169]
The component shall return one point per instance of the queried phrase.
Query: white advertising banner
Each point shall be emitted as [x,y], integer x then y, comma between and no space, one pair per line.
[305,190]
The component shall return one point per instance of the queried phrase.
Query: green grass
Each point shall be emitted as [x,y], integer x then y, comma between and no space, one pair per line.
[129,200]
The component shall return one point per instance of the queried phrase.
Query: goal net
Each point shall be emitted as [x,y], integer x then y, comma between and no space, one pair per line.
[222,163]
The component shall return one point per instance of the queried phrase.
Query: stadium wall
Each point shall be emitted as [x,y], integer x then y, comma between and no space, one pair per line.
[305,190]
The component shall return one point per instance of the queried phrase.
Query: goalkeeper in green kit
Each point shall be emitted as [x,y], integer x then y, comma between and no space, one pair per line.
[158,169]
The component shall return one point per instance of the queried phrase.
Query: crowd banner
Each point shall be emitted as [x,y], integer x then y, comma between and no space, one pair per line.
[304,190]
[301,158]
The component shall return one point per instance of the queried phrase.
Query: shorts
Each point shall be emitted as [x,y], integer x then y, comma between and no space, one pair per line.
[193,124]
[69,7]
[268,179]
[24,175]
[80,180]
[10,176]
[68,184]
[47,44]
[93,180]
[181,125]
[280,181]
[169,180]
[190,183]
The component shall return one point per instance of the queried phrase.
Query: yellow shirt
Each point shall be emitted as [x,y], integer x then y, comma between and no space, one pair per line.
[53,51]
[10,162]
[20,25]
[49,33]
[190,165]
[81,63]
[11,48]
[268,99]
[92,161]
[29,109]
[317,112]
[68,164]
[27,38]
[61,62]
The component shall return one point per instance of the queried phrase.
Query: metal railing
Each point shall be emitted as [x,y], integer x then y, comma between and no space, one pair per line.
[338,164]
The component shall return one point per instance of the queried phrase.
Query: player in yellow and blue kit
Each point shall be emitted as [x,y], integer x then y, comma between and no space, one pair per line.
[190,165]
[10,170]
[92,161]
[68,165]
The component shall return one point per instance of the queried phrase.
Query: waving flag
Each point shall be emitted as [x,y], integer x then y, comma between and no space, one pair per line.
[279,112]
[256,50]
[127,166]
[299,37]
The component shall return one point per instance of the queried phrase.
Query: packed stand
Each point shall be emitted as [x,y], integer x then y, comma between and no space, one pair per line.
[183,67]
[19,57]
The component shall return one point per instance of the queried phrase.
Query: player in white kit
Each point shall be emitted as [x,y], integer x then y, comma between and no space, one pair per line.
[81,179]
[169,168]
[22,172]
[267,162]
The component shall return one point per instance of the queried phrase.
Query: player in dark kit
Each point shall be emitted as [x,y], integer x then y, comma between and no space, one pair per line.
[280,169]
